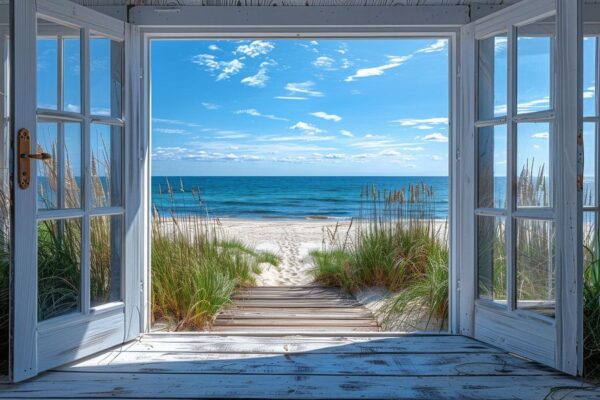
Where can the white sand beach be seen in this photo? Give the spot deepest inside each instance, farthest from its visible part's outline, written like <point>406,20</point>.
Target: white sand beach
<point>291,240</point>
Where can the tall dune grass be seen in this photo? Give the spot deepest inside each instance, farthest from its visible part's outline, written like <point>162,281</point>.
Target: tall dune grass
<point>398,244</point>
<point>196,267</point>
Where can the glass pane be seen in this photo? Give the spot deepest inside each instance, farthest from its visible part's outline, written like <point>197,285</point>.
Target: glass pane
<point>534,67</point>
<point>536,276</point>
<point>47,170</point>
<point>491,258</point>
<point>59,267</point>
<point>107,158</point>
<point>72,73</point>
<point>492,77</point>
<point>59,178</point>
<point>58,43</point>
<point>533,165</point>
<point>590,243</point>
<point>106,76</point>
<point>491,164</point>
<point>106,250</point>
<point>589,76</point>
<point>589,166</point>
<point>5,221</point>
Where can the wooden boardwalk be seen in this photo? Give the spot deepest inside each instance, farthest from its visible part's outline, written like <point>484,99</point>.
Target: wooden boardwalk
<point>295,309</point>
<point>368,366</point>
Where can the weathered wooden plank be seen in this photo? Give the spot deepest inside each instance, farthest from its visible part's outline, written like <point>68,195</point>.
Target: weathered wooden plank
<point>153,386</point>
<point>277,297</point>
<point>307,322</point>
<point>312,364</point>
<point>302,303</point>
<point>277,314</point>
<point>298,330</point>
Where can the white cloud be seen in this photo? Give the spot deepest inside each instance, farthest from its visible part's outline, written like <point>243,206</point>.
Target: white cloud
<point>589,92</point>
<point>394,61</point>
<point>306,128</point>
<point>346,133</point>
<point>297,138</point>
<point>303,88</point>
<point>343,49</point>
<point>424,121</point>
<point>290,97</point>
<point>255,48</point>
<point>389,153</point>
<point>541,135</point>
<point>223,134</point>
<point>314,42</point>
<point>323,62</point>
<point>175,122</point>
<point>423,127</point>
<point>210,106</point>
<point>170,131</point>
<point>260,78</point>
<point>439,45</point>
<point>534,105</point>
<point>328,117</point>
<point>435,137</point>
<point>435,157</point>
<point>255,113</point>
<point>214,47</point>
<point>225,68</point>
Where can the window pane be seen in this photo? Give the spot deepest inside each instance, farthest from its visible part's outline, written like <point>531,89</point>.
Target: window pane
<point>491,166</point>
<point>534,69</point>
<point>47,170</point>
<point>47,67</point>
<point>59,267</point>
<point>106,249</point>
<point>72,73</point>
<point>106,76</point>
<point>106,142</point>
<point>491,258</point>
<point>57,42</point>
<point>492,77</point>
<point>589,76</point>
<point>536,280</point>
<point>533,165</point>
<point>590,243</point>
<point>59,178</point>
<point>589,166</point>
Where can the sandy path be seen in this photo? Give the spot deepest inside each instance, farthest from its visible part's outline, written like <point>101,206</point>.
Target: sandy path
<point>291,240</point>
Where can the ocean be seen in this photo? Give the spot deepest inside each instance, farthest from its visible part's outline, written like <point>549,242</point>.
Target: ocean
<point>290,197</point>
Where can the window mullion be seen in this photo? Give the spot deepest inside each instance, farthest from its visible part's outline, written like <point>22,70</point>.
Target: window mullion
<point>511,166</point>
<point>60,143</point>
<point>86,178</point>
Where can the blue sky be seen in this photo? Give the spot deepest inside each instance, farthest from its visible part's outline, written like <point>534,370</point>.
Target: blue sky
<point>300,107</point>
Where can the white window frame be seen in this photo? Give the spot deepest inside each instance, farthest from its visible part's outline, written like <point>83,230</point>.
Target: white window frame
<point>308,23</point>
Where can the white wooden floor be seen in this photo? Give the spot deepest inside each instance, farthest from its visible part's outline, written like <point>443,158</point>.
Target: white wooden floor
<point>184,366</point>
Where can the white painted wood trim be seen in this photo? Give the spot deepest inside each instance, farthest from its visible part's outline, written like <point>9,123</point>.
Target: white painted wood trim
<point>307,18</point>
<point>569,159</point>
<point>23,321</point>
<point>62,11</point>
<point>518,14</point>
<point>466,175</point>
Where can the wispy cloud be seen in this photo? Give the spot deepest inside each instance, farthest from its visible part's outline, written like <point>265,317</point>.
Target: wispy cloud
<point>435,137</point>
<point>255,113</point>
<point>210,106</point>
<point>214,47</point>
<point>255,48</point>
<point>296,138</point>
<point>393,62</point>
<point>421,121</point>
<point>324,62</point>
<point>306,128</point>
<point>168,121</point>
<point>541,135</point>
<point>303,88</point>
<point>346,133</point>
<point>291,98</point>
<point>225,69</point>
<point>171,131</point>
<point>328,117</point>
<point>439,45</point>
<point>260,78</point>
<point>534,105</point>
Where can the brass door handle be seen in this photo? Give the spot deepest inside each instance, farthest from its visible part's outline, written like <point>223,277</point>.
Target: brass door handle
<point>25,157</point>
<point>37,156</point>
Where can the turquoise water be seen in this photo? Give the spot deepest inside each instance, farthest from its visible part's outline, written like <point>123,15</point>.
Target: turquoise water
<point>282,197</point>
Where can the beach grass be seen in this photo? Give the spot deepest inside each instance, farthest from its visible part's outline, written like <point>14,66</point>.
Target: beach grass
<point>196,267</point>
<point>397,244</point>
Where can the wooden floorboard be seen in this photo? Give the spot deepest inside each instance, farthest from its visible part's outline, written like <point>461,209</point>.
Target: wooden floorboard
<point>186,366</point>
<point>289,309</point>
